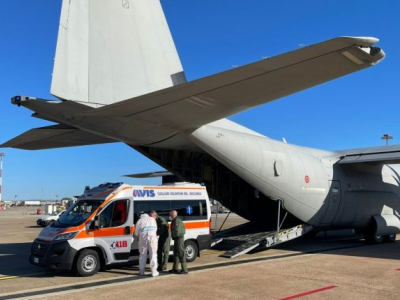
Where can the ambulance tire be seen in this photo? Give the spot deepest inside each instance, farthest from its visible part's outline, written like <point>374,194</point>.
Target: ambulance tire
<point>87,263</point>
<point>191,251</point>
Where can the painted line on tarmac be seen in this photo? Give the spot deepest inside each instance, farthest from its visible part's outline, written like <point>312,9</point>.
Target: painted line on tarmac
<point>309,293</point>
<point>7,277</point>
<point>132,278</point>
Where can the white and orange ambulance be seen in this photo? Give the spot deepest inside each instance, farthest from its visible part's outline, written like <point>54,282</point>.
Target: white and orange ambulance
<point>98,229</point>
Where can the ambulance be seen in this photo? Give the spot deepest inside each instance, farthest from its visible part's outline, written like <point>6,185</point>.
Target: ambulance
<point>97,231</point>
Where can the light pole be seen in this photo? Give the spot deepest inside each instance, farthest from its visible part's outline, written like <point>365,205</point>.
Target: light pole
<point>387,137</point>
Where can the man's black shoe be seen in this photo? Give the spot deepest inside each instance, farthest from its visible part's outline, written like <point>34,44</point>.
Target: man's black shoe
<point>173,271</point>
<point>183,272</point>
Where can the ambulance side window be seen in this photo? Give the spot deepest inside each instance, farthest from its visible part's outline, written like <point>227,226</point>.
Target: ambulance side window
<point>162,207</point>
<point>190,210</point>
<point>140,207</point>
<point>114,214</point>
<point>120,213</point>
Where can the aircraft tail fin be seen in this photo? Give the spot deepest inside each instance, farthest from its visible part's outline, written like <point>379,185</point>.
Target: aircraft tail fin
<point>112,50</point>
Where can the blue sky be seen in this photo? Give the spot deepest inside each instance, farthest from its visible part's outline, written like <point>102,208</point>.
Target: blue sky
<point>211,36</point>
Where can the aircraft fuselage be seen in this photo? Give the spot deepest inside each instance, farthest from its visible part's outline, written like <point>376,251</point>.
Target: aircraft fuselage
<point>309,182</point>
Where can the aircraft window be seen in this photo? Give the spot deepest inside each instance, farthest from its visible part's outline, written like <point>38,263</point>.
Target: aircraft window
<point>114,214</point>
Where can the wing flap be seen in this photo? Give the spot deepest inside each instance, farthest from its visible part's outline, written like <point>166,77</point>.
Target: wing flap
<point>56,136</point>
<point>375,155</point>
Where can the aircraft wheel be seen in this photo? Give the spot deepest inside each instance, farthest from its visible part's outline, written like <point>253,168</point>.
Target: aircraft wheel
<point>373,238</point>
<point>391,238</point>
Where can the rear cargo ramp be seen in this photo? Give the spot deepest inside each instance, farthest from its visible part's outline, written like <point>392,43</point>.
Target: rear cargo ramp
<point>267,239</point>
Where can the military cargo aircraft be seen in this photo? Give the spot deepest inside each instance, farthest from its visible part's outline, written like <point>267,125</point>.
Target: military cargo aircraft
<point>118,78</point>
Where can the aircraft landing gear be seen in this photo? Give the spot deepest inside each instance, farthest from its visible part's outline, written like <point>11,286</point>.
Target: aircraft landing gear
<point>373,238</point>
<point>391,238</point>
<point>377,239</point>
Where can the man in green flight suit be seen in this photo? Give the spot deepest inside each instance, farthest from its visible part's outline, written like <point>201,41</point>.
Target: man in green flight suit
<point>164,241</point>
<point>178,235</point>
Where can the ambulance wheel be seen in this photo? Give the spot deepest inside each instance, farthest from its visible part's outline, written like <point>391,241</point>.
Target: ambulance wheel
<point>87,263</point>
<point>191,251</point>
<point>391,238</point>
<point>373,238</point>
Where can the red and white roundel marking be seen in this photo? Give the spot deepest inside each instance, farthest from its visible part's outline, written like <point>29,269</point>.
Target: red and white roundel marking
<point>307,179</point>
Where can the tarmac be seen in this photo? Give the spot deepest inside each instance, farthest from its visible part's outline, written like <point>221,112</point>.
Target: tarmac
<point>339,265</point>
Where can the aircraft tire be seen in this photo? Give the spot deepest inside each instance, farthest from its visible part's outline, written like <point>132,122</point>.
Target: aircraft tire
<point>391,238</point>
<point>373,238</point>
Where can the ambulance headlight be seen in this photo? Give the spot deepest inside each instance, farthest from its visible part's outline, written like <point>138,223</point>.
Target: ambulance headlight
<point>65,236</point>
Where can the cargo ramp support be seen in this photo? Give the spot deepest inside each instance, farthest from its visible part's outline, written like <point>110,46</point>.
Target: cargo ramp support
<point>262,240</point>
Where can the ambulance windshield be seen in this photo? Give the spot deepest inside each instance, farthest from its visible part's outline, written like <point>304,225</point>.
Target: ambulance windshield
<point>78,213</point>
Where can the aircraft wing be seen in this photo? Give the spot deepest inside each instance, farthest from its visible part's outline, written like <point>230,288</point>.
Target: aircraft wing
<point>150,174</point>
<point>55,136</point>
<point>373,155</point>
<point>164,117</point>
<point>188,106</point>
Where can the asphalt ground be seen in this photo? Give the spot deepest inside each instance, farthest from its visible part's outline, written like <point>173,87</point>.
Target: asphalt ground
<point>338,265</point>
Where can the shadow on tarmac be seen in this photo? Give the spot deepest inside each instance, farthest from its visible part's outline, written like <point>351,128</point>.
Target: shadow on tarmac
<point>338,243</point>
<point>331,242</point>
<point>14,261</point>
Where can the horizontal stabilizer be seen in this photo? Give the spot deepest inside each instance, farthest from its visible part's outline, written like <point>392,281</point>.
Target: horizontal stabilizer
<point>165,118</point>
<point>374,155</point>
<point>55,136</point>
